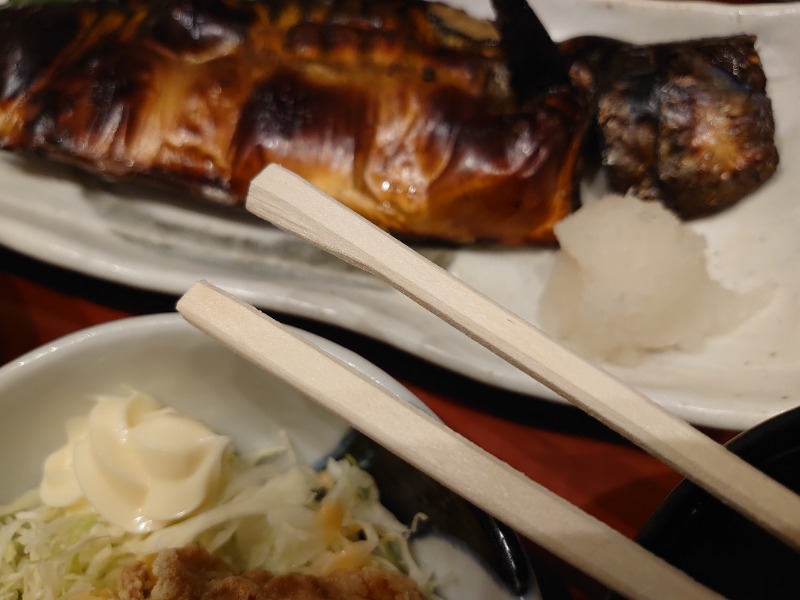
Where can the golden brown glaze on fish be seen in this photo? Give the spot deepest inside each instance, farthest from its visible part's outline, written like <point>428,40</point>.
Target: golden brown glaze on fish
<point>688,123</point>
<point>400,109</point>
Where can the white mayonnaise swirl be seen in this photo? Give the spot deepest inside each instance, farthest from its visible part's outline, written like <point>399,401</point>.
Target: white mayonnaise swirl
<point>140,465</point>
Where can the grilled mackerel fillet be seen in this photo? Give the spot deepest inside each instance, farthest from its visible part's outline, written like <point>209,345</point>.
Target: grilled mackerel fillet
<point>402,110</point>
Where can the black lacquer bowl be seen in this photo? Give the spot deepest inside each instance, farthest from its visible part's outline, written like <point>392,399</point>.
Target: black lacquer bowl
<point>719,547</point>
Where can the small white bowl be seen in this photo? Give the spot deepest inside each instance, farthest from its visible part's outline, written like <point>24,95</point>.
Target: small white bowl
<point>164,356</point>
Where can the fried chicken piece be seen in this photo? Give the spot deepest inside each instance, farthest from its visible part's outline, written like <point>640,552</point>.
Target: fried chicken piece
<point>194,574</point>
<point>135,582</point>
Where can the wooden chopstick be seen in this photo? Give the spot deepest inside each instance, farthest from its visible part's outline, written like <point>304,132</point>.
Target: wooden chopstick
<point>293,204</point>
<point>428,444</point>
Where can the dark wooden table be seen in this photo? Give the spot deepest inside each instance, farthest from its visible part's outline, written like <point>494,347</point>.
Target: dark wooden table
<point>558,446</point>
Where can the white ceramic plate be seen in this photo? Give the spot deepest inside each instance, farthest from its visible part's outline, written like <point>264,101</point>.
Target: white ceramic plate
<point>735,381</point>
<point>164,356</point>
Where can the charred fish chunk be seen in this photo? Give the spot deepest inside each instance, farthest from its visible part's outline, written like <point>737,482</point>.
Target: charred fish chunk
<point>403,110</point>
<point>688,124</point>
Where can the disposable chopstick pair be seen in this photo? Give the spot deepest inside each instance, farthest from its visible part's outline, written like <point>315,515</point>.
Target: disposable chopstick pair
<point>296,206</point>
<point>426,443</point>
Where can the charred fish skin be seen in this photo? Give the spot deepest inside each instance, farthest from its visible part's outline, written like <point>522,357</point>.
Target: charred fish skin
<point>400,109</point>
<point>688,124</point>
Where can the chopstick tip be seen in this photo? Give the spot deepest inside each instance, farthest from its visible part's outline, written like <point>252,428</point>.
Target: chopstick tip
<point>193,294</point>
<point>267,178</point>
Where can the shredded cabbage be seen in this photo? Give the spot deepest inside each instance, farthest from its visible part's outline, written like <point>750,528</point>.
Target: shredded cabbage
<point>284,520</point>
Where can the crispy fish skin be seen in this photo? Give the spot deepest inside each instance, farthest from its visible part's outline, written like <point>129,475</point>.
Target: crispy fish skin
<point>688,124</point>
<point>400,109</point>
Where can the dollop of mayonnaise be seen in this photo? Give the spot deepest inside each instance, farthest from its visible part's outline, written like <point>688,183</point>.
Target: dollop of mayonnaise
<point>139,464</point>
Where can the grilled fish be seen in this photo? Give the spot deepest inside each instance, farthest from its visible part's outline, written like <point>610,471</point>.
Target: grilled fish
<point>688,124</point>
<point>402,110</point>
<point>432,124</point>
